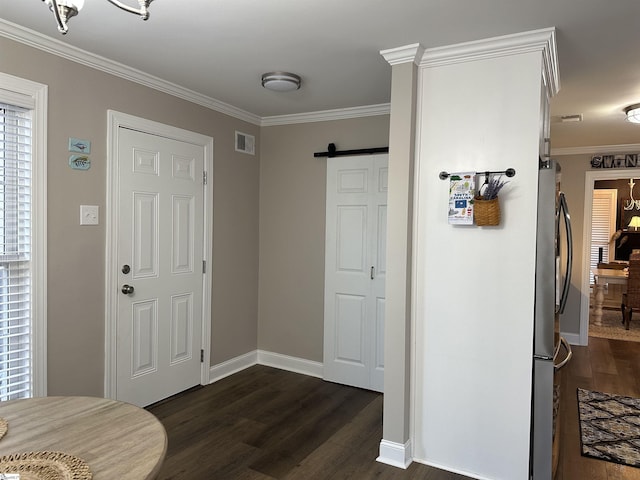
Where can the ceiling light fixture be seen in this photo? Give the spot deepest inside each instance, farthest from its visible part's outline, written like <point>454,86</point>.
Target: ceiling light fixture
<point>281,81</point>
<point>633,113</point>
<point>63,10</point>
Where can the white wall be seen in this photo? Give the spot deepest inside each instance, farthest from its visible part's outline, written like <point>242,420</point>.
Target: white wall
<point>475,286</point>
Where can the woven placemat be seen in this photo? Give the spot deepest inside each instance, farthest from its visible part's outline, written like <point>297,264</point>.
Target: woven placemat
<point>4,426</point>
<point>45,466</point>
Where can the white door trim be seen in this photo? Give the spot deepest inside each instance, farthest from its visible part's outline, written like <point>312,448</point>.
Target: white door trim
<point>115,120</point>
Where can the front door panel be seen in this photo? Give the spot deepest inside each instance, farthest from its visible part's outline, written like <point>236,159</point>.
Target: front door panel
<point>160,232</point>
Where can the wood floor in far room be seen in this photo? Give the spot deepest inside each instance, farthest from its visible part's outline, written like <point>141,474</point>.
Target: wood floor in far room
<point>264,424</point>
<point>610,366</point>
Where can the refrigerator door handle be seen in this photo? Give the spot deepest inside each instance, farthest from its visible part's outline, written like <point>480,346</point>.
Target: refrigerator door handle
<point>562,208</point>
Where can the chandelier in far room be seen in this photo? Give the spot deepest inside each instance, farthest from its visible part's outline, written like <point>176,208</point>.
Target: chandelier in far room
<point>63,10</point>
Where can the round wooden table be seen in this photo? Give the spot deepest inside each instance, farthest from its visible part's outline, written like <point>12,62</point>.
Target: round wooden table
<point>117,440</point>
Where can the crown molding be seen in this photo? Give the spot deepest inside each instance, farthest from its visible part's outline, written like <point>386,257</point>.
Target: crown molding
<point>56,47</point>
<point>543,40</point>
<point>595,149</point>
<point>408,53</point>
<point>327,115</point>
<point>551,69</point>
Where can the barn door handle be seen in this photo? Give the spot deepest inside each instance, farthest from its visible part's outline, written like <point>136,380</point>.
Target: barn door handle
<point>372,272</point>
<point>127,289</point>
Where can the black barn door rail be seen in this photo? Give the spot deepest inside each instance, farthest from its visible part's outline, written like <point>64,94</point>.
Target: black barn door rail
<point>332,152</point>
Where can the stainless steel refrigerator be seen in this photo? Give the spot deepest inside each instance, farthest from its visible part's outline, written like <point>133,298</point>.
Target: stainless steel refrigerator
<point>554,256</point>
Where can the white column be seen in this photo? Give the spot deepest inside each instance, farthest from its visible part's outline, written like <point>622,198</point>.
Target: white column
<point>479,109</point>
<point>395,448</point>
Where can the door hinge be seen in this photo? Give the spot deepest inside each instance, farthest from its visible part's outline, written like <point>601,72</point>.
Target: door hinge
<point>544,163</point>
<point>204,178</point>
<point>201,355</point>
<point>204,266</point>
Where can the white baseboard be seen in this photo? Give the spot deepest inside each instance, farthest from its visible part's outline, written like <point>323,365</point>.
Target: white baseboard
<point>235,365</point>
<point>395,454</point>
<point>572,338</point>
<point>269,359</point>
<point>292,364</point>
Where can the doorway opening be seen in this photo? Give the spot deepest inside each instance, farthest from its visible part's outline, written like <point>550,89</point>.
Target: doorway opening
<point>609,253</point>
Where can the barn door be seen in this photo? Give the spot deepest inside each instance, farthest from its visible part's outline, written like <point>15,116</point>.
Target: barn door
<point>355,268</point>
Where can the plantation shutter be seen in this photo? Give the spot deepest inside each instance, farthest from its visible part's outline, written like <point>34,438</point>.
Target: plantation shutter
<point>603,226</point>
<point>15,252</point>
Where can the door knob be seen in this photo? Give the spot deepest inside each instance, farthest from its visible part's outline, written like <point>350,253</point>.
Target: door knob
<point>127,289</point>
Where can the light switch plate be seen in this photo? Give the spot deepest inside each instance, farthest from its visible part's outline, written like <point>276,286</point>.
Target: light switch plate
<point>89,215</point>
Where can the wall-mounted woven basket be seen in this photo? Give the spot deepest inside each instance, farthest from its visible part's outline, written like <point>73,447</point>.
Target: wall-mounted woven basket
<point>486,213</point>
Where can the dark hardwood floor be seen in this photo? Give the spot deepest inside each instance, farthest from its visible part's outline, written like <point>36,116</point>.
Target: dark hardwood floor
<point>264,423</point>
<point>611,366</point>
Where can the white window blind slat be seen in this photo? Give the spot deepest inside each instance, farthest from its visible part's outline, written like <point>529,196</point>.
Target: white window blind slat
<point>602,226</point>
<point>15,252</point>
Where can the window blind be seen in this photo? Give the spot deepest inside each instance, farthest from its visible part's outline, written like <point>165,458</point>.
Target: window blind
<point>602,226</point>
<point>15,252</point>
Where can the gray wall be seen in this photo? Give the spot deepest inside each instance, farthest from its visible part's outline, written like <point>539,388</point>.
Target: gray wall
<point>271,205</point>
<point>398,314</point>
<point>574,168</point>
<point>292,220</point>
<point>572,184</point>
<point>79,98</point>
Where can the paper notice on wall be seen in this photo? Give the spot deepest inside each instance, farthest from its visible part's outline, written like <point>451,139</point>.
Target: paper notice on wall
<point>461,192</point>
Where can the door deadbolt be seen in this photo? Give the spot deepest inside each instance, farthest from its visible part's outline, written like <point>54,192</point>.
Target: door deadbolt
<point>126,269</point>
<point>127,289</point>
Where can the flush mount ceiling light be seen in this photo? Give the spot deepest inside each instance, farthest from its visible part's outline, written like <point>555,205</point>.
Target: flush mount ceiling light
<point>63,10</point>
<point>281,81</point>
<point>633,113</point>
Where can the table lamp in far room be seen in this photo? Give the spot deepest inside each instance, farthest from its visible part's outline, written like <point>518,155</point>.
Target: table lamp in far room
<point>634,223</point>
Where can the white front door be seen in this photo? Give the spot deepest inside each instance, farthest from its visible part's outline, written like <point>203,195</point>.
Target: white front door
<point>160,262</point>
<point>355,268</point>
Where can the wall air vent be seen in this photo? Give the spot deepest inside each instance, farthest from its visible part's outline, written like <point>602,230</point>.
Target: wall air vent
<point>574,118</point>
<point>571,118</point>
<point>245,143</point>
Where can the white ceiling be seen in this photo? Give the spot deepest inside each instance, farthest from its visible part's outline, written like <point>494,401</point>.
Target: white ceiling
<point>220,49</point>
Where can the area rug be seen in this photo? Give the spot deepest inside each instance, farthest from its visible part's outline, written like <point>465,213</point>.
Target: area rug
<point>610,427</point>
<point>612,326</point>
